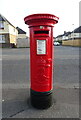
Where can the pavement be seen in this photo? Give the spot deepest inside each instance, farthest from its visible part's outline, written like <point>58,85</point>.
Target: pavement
<point>16,84</point>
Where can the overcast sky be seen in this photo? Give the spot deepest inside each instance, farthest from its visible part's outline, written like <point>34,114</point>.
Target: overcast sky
<point>66,10</point>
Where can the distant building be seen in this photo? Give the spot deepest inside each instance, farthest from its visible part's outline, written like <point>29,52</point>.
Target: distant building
<point>74,38</point>
<point>22,39</point>
<point>66,36</point>
<point>70,38</point>
<point>76,33</point>
<point>58,38</point>
<point>8,33</point>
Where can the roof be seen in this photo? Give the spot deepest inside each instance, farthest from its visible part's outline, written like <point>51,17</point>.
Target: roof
<point>2,18</point>
<point>67,33</point>
<point>77,30</point>
<point>59,36</point>
<point>20,31</point>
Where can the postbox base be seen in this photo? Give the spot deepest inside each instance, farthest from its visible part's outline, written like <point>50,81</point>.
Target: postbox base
<point>41,100</point>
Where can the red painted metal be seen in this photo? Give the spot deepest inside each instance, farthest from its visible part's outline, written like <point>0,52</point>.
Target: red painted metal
<point>41,63</point>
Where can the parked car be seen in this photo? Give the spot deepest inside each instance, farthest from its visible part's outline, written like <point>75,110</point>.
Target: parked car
<point>56,43</point>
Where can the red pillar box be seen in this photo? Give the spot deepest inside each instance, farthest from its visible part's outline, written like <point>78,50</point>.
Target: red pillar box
<point>41,58</point>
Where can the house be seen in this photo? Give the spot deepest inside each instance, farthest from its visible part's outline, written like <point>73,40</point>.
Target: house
<point>66,35</point>
<point>22,39</point>
<point>8,33</point>
<point>74,38</point>
<point>76,33</point>
<point>58,38</point>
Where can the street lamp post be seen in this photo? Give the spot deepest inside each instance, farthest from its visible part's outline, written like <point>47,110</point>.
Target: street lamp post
<point>73,36</point>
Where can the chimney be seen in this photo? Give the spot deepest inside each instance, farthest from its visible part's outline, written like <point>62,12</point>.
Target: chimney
<point>64,32</point>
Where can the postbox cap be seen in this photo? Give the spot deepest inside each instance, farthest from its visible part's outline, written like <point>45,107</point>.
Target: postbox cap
<point>41,19</point>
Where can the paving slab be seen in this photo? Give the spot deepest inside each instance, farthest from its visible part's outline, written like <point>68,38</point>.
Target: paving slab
<point>17,104</point>
<point>16,85</point>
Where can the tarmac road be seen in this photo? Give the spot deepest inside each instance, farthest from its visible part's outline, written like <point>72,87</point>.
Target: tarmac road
<point>16,84</point>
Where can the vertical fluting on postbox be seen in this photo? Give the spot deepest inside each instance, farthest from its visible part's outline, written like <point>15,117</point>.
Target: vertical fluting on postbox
<point>41,58</point>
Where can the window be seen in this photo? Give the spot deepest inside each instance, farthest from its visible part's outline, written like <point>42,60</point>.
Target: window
<point>1,25</point>
<point>2,38</point>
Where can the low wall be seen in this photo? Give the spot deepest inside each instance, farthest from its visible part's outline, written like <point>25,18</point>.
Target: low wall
<point>75,42</point>
<point>23,42</point>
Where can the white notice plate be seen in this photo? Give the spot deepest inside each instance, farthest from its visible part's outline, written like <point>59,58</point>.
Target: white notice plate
<point>41,46</point>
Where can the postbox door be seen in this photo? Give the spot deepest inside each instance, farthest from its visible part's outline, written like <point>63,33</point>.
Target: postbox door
<point>42,74</point>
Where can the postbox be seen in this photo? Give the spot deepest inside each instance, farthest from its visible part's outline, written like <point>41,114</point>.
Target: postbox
<point>41,58</point>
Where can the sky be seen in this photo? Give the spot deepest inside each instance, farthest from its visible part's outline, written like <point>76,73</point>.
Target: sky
<point>66,10</point>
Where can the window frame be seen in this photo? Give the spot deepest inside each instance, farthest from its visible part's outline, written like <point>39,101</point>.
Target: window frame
<point>1,25</point>
<point>2,39</point>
